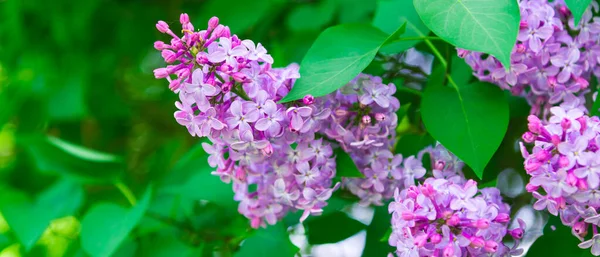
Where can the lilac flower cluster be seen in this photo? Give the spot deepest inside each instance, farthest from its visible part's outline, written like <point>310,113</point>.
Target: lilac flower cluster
<point>228,92</point>
<point>448,218</point>
<point>564,166</point>
<point>552,56</point>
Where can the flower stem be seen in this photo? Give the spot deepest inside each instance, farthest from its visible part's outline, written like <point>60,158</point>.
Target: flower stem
<point>126,192</point>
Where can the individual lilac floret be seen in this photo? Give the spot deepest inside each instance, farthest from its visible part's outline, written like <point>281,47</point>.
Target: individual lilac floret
<point>552,57</point>
<point>564,165</point>
<point>269,151</point>
<point>444,218</point>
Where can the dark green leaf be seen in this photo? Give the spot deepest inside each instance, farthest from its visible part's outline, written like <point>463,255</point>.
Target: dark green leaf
<point>547,244</point>
<point>469,120</point>
<point>332,228</point>
<point>106,226</point>
<point>391,14</point>
<point>402,111</point>
<point>411,144</point>
<point>595,111</point>
<point>488,26</point>
<point>204,186</point>
<point>578,7</point>
<point>345,166</point>
<point>378,228</point>
<point>29,220</point>
<point>312,17</point>
<point>272,241</point>
<point>338,55</point>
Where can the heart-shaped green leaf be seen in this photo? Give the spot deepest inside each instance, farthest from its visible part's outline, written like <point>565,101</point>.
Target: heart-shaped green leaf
<point>578,7</point>
<point>338,55</point>
<point>489,26</point>
<point>345,166</point>
<point>390,15</point>
<point>469,120</point>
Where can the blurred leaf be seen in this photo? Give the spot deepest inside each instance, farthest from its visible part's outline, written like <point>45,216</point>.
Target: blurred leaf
<point>411,144</point>
<point>167,244</point>
<point>106,225</point>
<point>488,26</point>
<point>472,121</point>
<point>67,103</point>
<point>272,241</point>
<point>345,166</point>
<point>356,10</point>
<point>557,243</point>
<point>29,220</point>
<point>332,228</point>
<point>338,55</point>
<point>378,228</point>
<point>578,7</point>
<point>235,14</point>
<point>312,16</point>
<point>204,186</point>
<point>595,111</point>
<point>391,14</point>
<point>51,154</point>
<point>402,111</point>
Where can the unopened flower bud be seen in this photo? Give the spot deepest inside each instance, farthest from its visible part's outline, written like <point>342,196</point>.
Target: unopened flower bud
<point>502,218</point>
<point>517,233</point>
<point>174,84</point>
<point>580,228</point>
<point>477,242</point>
<point>184,18</point>
<point>213,23</point>
<point>565,124</point>
<point>435,238</point>
<point>523,24</point>
<point>366,119</point>
<point>268,150</point>
<point>453,221</point>
<point>563,161</point>
<point>521,48</point>
<point>583,83</point>
<point>482,223</point>
<point>439,165</point>
<point>160,45</point>
<point>226,87</point>
<point>240,77</point>
<point>531,188</point>
<point>162,26</point>
<point>169,56</point>
<point>462,53</point>
<point>161,73</point>
<point>491,246</point>
<point>308,100</point>
<point>529,137</point>
<point>380,117</point>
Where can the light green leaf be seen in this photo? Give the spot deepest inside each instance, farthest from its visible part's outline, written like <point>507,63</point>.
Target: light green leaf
<point>332,228</point>
<point>272,241</point>
<point>469,120</point>
<point>29,220</point>
<point>106,226</point>
<point>204,186</point>
<point>338,55</point>
<point>577,8</point>
<point>345,166</point>
<point>391,14</point>
<point>52,154</point>
<point>488,26</point>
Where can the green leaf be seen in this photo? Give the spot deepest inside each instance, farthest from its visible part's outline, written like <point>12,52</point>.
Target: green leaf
<point>578,7</point>
<point>391,14</point>
<point>411,144</point>
<point>402,111</point>
<point>272,241</point>
<point>29,220</point>
<point>338,55</point>
<point>311,17</point>
<point>51,154</point>
<point>204,186</point>
<point>469,120</point>
<point>345,166</point>
<point>546,245</point>
<point>489,26</point>
<point>378,228</point>
<point>332,228</point>
<point>106,226</point>
<point>235,13</point>
<point>595,111</point>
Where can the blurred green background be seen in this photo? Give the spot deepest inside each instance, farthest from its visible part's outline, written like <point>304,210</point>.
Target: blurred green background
<point>77,76</point>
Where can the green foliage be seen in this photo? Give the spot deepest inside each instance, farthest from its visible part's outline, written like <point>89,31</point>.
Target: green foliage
<point>488,26</point>
<point>106,226</point>
<point>345,166</point>
<point>578,7</point>
<point>268,242</point>
<point>320,230</point>
<point>469,120</point>
<point>390,15</point>
<point>338,55</point>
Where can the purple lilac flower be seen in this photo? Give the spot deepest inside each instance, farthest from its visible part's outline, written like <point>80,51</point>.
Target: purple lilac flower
<point>564,168</point>
<point>432,219</point>
<point>551,59</point>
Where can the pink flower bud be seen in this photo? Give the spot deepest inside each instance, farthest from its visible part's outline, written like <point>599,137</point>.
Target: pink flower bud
<point>268,150</point>
<point>531,188</point>
<point>380,117</point>
<point>521,48</point>
<point>571,179</point>
<point>529,137</point>
<point>462,53</point>
<point>517,233</point>
<point>420,240</point>
<point>477,242</point>
<point>435,238</point>
<point>308,99</point>
<point>564,11</point>
<point>482,224</point>
<point>534,124</point>
<point>453,221</point>
<point>169,56</point>
<point>523,24</point>
<point>502,218</point>
<point>201,59</point>
<point>161,73</point>
<point>565,124</point>
<point>174,84</point>
<point>226,32</point>
<point>563,161</point>
<point>239,174</point>
<point>552,81</point>
<point>491,246</point>
<point>184,18</point>
<point>532,165</point>
<point>427,189</point>
<point>162,26</point>
<point>583,122</point>
<point>213,23</point>
<point>160,45</point>
<point>366,119</point>
<point>240,77</point>
<point>555,140</point>
<point>226,87</point>
<point>225,67</point>
<point>439,165</point>
<point>583,83</point>
<point>255,222</point>
<point>543,155</point>
<point>449,251</point>
<point>580,228</point>
<point>218,31</point>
